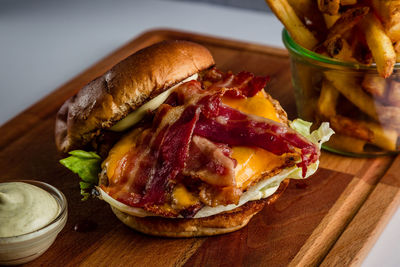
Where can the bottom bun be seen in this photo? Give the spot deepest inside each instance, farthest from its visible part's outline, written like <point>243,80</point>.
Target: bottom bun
<point>222,223</point>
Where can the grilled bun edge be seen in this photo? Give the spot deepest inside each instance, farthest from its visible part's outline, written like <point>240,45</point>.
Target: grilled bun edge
<point>125,87</point>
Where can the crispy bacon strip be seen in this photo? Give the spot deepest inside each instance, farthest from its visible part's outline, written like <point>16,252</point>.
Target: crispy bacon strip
<point>161,155</point>
<point>242,85</point>
<point>222,124</point>
<point>164,153</point>
<point>172,154</point>
<point>210,162</point>
<point>238,129</point>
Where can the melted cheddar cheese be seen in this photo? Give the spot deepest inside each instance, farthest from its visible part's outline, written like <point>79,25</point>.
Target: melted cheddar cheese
<point>251,162</point>
<point>257,105</point>
<point>119,151</point>
<point>182,197</point>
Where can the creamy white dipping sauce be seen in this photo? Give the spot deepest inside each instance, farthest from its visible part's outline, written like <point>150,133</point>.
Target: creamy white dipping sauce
<point>25,208</point>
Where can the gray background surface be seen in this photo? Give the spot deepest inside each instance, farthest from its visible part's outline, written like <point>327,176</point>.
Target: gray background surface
<point>256,5</point>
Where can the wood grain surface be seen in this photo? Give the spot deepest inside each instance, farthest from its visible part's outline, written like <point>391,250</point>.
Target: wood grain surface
<point>332,218</point>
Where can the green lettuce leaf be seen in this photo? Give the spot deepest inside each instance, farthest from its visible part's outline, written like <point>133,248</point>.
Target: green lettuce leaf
<point>87,165</point>
<point>319,136</point>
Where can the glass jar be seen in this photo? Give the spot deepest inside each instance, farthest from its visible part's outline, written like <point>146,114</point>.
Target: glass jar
<point>362,107</point>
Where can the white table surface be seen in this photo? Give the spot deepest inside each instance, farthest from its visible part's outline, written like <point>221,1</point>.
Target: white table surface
<point>45,43</point>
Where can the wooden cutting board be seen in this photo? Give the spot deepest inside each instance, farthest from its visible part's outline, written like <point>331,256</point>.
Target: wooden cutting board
<point>332,218</point>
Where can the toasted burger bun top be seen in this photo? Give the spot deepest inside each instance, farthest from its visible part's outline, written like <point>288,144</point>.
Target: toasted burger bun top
<point>124,88</point>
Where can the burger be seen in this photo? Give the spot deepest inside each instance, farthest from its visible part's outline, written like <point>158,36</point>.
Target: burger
<point>178,148</point>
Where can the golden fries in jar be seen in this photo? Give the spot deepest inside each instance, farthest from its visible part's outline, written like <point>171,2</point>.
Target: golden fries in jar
<point>345,69</point>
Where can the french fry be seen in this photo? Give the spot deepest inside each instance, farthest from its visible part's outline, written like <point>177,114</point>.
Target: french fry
<point>393,96</point>
<point>371,132</point>
<point>366,32</point>
<point>338,48</point>
<point>385,138</point>
<point>346,143</point>
<point>374,85</point>
<point>330,20</point>
<point>327,100</point>
<point>293,24</point>
<point>350,127</point>
<point>347,21</point>
<point>359,46</point>
<point>349,87</point>
<point>389,12</point>
<point>348,2</point>
<point>380,45</point>
<point>394,32</point>
<point>330,7</point>
<point>301,7</point>
<point>307,11</point>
